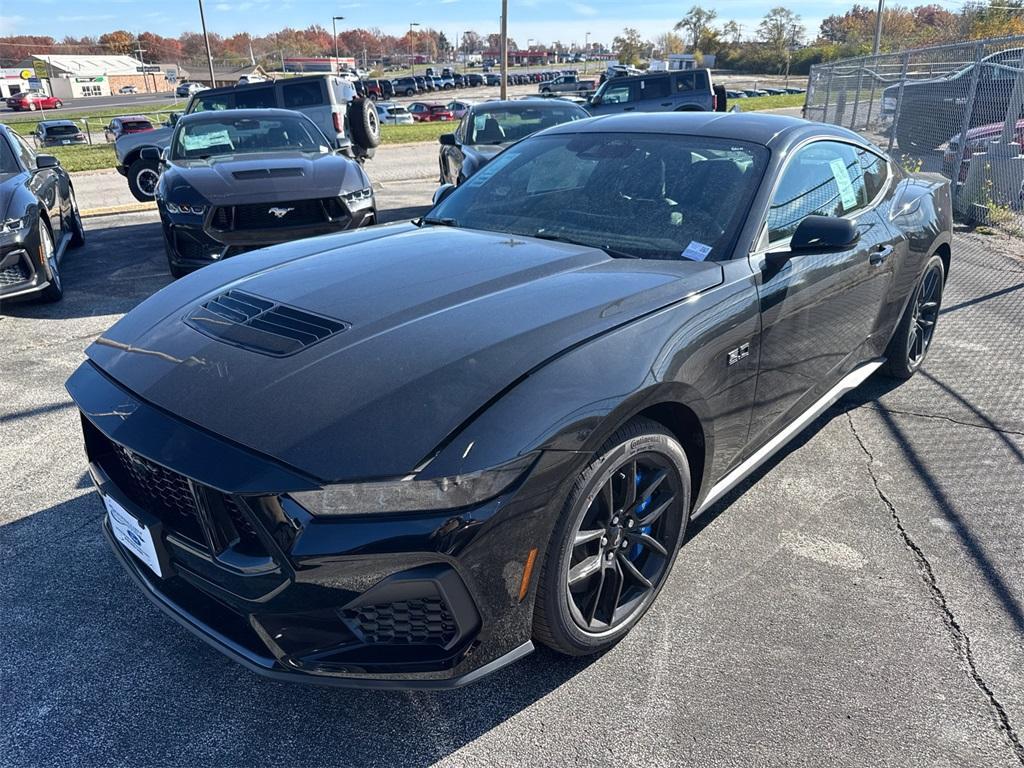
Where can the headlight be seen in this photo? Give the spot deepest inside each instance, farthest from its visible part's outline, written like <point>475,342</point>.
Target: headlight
<point>196,209</point>
<point>361,198</point>
<point>411,495</point>
<point>12,229</point>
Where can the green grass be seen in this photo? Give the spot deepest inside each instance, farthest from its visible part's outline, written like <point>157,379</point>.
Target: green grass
<point>25,122</point>
<point>83,157</point>
<point>417,132</point>
<point>768,102</point>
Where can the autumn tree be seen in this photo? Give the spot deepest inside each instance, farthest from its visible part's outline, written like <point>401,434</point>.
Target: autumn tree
<point>629,46</point>
<point>697,22</point>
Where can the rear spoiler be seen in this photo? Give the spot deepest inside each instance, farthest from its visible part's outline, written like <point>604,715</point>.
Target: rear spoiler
<point>719,98</point>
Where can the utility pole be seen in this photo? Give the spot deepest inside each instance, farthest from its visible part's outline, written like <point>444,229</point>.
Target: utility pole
<point>412,46</point>
<point>140,50</point>
<point>504,49</point>
<point>334,24</point>
<point>206,39</point>
<point>586,52</point>
<point>878,28</point>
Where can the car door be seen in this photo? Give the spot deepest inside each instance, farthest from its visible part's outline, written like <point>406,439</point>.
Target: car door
<point>819,310</point>
<point>452,158</point>
<point>44,183</point>
<point>652,94</point>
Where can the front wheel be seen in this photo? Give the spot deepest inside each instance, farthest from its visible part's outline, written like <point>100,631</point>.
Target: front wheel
<point>48,259</point>
<point>913,337</point>
<point>616,541</point>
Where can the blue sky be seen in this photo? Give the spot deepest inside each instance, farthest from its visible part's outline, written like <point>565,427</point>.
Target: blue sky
<point>543,20</point>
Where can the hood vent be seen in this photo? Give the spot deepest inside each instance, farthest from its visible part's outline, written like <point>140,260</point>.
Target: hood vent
<point>268,173</point>
<point>261,325</point>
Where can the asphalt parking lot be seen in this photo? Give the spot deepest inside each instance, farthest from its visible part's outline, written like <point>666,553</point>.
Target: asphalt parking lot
<point>857,602</point>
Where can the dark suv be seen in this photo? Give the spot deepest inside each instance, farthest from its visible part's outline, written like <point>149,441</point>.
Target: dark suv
<point>681,91</point>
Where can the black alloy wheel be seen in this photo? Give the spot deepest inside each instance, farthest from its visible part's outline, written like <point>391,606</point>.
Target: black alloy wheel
<point>616,542</point>
<point>913,337</point>
<point>48,260</point>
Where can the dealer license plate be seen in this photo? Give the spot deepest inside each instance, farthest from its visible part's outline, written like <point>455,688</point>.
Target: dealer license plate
<point>131,532</point>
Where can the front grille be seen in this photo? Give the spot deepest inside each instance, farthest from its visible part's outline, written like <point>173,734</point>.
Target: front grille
<point>175,499</point>
<point>188,247</point>
<point>14,274</point>
<point>423,621</point>
<point>291,213</point>
<point>261,325</point>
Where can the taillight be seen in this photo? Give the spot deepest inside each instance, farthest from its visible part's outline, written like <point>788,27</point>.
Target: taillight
<point>339,122</point>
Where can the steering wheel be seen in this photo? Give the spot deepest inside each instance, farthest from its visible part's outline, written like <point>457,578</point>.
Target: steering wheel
<point>705,224</point>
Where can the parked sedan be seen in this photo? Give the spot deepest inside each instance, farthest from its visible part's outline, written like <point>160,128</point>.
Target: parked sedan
<point>488,128</point>
<point>458,108</point>
<point>56,133</point>
<point>31,101</point>
<point>188,88</point>
<point>122,126</point>
<point>127,90</point>
<point>393,114</point>
<point>401,457</point>
<point>430,112</point>
<point>235,180</point>
<point>39,220</point>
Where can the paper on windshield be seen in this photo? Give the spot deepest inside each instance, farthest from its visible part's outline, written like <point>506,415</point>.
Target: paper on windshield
<point>696,251</point>
<point>842,177</point>
<point>206,140</point>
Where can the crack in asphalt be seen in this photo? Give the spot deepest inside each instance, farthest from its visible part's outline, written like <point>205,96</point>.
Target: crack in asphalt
<point>960,639</point>
<point>987,427</point>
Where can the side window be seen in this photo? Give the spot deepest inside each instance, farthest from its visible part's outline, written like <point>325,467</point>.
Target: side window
<point>212,103</point>
<point>685,81</point>
<point>255,98</point>
<point>823,179</point>
<point>617,94</point>
<point>654,88</point>
<point>876,173</point>
<point>298,95</point>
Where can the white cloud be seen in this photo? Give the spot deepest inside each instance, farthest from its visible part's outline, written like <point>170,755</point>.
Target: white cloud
<point>583,9</point>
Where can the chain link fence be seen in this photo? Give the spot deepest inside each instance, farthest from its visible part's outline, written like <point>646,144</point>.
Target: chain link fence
<point>953,109</point>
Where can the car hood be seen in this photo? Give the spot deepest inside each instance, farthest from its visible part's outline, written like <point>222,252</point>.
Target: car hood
<point>267,177</point>
<point>438,322</point>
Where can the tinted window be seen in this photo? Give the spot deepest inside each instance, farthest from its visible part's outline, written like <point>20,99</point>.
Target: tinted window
<point>255,98</point>
<point>137,125</point>
<point>619,93</point>
<point>672,197</point>
<point>8,163</point>
<point>823,179</point>
<point>685,81</point>
<point>298,95</point>
<point>212,103</point>
<point>654,88</point>
<point>502,126</point>
<point>62,130</point>
<point>876,173</point>
<point>229,136</point>
<point>28,155</point>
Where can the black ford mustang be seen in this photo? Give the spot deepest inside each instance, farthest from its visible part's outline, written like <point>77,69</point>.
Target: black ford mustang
<point>399,456</point>
<point>236,180</point>
<point>39,220</point>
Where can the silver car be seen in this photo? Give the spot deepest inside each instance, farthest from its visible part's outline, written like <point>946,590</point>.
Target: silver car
<point>393,114</point>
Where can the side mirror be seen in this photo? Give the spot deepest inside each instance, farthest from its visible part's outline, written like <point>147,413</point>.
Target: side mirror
<point>172,119</point>
<point>151,153</point>
<point>444,190</point>
<point>47,161</point>
<point>447,139</point>
<point>824,233</point>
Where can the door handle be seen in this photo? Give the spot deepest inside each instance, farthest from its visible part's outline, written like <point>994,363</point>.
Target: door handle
<point>666,103</point>
<point>879,255</point>
<point>628,109</point>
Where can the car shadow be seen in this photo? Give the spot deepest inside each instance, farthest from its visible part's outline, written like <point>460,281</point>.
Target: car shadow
<point>71,614</point>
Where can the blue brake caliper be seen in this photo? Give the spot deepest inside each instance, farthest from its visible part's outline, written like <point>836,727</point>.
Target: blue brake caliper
<point>634,553</point>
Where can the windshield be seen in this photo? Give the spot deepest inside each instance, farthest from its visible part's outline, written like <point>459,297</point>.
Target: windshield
<point>136,125</point>
<point>231,136</point>
<point>504,125</point>
<point>62,130</point>
<point>651,196</point>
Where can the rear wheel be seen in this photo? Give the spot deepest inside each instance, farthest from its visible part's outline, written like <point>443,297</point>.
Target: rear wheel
<point>913,337</point>
<point>616,541</point>
<point>142,178</point>
<point>58,104</point>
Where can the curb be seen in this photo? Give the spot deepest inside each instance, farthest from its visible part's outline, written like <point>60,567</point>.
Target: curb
<point>114,209</point>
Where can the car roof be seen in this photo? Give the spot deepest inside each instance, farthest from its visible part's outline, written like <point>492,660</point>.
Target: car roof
<point>756,127</point>
<point>536,102</point>
<point>237,114</point>
<point>133,117</point>
<point>48,123</point>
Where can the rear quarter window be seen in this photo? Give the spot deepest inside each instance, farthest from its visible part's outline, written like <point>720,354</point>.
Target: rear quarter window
<point>297,95</point>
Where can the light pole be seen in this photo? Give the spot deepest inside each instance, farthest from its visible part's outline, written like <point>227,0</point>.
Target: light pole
<point>465,43</point>
<point>878,28</point>
<point>206,39</point>
<point>412,45</point>
<point>334,26</point>
<point>586,52</point>
<point>504,49</point>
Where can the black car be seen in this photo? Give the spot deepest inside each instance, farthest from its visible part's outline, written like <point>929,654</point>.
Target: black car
<point>401,456</point>
<point>474,80</point>
<point>57,133</point>
<point>236,180</point>
<point>488,128</point>
<point>932,109</point>
<point>39,220</point>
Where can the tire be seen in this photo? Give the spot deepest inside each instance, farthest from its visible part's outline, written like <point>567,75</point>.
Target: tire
<point>58,104</point>
<point>545,90</point>
<point>913,336</point>
<point>142,177</point>
<point>567,617</point>
<point>55,290</point>
<point>410,92</point>
<point>76,226</point>
<point>32,107</point>
<point>364,123</point>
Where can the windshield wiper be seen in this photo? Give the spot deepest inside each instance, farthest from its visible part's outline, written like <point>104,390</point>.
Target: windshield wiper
<point>440,222</point>
<point>615,253</point>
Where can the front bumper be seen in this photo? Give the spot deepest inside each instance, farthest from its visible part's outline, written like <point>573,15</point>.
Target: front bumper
<point>21,271</point>
<point>426,600</point>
